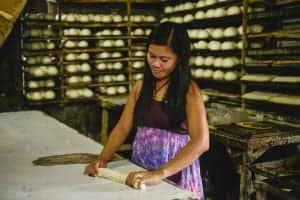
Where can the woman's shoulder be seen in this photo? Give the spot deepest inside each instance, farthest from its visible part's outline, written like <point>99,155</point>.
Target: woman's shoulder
<point>193,91</point>
<point>137,86</point>
<point>136,89</point>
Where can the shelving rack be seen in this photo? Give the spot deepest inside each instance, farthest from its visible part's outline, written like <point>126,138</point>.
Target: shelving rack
<point>275,48</point>
<point>102,72</point>
<point>272,75</point>
<point>264,49</point>
<point>206,24</point>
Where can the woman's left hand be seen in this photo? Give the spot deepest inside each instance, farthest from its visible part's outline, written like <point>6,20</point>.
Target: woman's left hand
<point>136,179</point>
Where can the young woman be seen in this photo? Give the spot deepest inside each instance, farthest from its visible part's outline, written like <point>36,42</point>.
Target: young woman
<point>169,114</point>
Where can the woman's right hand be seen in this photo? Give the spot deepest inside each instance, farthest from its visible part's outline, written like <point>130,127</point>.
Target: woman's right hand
<point>92,168</point>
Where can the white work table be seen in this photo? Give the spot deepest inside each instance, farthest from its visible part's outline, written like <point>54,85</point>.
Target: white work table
<point>28,135</point>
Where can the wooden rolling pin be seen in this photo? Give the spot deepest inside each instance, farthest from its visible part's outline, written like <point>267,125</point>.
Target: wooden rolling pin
<point>118,177</point>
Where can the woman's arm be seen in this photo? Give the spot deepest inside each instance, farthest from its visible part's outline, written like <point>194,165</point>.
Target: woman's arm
<point>121,130</point>
<point>119,133</point>
<point>198,131</point>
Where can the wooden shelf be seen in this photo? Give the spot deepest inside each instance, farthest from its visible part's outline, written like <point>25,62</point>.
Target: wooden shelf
<point>65,37</point>
<point>280,33</point>
<point>41,23</point>
<point>126,27</point>
<point>195,9</point>
<point>111,1</point>
<point>93,50</point>
<point>94,24</point>
<point>94,1</point>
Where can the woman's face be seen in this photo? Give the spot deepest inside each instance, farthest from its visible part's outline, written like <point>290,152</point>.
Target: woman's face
<point>162,60</point>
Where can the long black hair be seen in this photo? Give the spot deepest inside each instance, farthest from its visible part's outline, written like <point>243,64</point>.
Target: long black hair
<point>174,36</point>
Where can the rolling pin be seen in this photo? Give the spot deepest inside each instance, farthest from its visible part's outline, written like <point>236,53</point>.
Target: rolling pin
<point>118,177</point>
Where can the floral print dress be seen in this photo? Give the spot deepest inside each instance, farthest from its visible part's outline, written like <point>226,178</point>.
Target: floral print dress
<point>154,145</point>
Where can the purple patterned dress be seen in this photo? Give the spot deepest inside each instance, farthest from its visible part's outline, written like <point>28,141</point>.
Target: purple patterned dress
<point>154,145</point>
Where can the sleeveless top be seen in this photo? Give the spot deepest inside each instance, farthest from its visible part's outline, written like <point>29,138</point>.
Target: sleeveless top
<point>155,117</point>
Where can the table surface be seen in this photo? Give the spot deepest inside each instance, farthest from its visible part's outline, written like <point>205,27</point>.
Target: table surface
<point>28,135</point>
<point>251,139</point>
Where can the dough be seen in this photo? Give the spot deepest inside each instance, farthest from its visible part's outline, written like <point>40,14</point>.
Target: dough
<point>117,177</point>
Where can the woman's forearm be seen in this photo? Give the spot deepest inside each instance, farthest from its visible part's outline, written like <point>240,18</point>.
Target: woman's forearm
<point>121,130</point>
<point>184,157</point>
<point>115,139</point>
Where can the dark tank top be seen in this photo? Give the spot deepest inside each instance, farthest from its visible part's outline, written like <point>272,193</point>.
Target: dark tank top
<point>155,117</point>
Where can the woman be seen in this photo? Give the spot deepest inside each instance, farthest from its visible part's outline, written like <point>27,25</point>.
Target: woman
<point>169,113</point>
